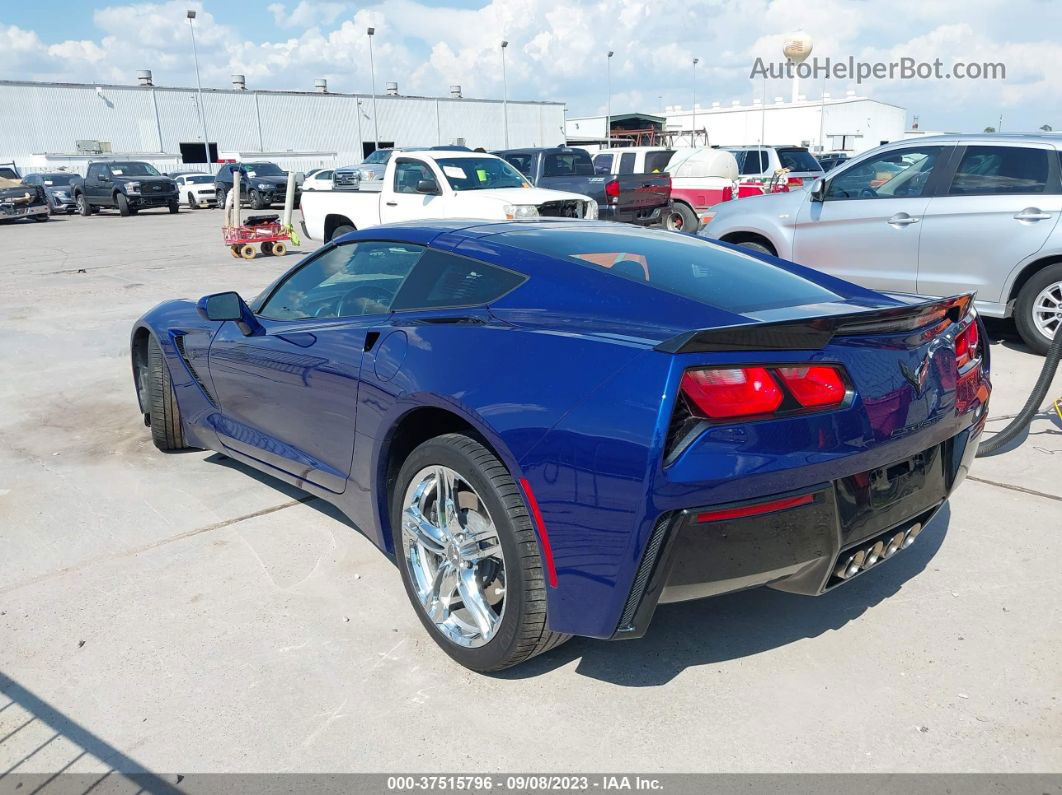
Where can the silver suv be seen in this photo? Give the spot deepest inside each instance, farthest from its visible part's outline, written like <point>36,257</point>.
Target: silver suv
<point>937,216</point>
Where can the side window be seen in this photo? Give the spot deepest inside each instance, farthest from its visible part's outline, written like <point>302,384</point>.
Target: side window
<point>521,163</point>
<point>901,173</point>
<point>408,173</point>
<point>656,162</point>
<point>753,162</point>
<point>346,281</point>
<point>324,175</point>
<point>602,164</point>
<point>31,179</point>
<point>567,164</point>
<point>94,171</point>
<point>995,170</point>
<point>448,280</point>
<point>626,165</point>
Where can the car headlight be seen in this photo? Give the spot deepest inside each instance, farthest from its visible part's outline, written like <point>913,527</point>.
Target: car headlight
<point>132,187</point>
<point>62,194</point>
<point>516,211</point>
<point>263,185</point>
<point>591,211</point>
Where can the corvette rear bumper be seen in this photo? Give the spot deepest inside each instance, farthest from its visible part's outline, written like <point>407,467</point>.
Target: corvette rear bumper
<point>792,541</point>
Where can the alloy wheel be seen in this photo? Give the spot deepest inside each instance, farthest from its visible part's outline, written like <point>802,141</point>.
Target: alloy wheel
<point>451,548</point>
<point>1047,310</point>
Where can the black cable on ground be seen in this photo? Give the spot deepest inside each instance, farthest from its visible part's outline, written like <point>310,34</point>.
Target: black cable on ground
<point>1032,405</point>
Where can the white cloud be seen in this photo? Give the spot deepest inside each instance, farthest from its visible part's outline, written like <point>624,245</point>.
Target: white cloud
<point>557,51</point>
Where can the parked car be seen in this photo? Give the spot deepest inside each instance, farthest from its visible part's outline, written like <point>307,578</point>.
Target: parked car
<point>647,165</point>
<point>262,184</point>
<point>764,163</point>
<point>369,174</point>
<point>197,189</point>
<point>628,198</point>
<point>831,160</point>
<point>936,216</point>
<point>129,186</point>
<point>318,179</point>
<point>555,426</point>
<point>58,187</point>
<point>19,200</point>
<point>424,184</point>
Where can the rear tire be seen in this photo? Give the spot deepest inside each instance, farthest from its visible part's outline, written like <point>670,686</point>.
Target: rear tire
<point>166,430</point>
<point>521,630</point>
<point>341,230</point>
<point>681,218</point>
<point>1033,309</point>
<point>279,249</point>
<point>123,205</point>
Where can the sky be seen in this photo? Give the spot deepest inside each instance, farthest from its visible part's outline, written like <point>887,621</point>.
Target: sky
<point>557,50</point>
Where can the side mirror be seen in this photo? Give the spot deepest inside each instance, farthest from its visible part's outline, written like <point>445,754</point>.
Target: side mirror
<point>220,307</point>
<point>427,186</point>
<point>818,190</point>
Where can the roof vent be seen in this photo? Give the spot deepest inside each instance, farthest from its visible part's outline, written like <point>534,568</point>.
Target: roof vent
<point>239,82</point>
<point>143,77</point>
<point>455,91</point>
<point>320,85</point>
<point>392,89</point>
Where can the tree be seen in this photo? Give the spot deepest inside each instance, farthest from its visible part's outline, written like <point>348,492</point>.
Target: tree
<point>1046,127</point>
<point>990,129</point>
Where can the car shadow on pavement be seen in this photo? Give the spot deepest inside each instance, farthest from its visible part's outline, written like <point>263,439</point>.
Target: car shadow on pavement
<point>37,726</point>
<point>734,626</point>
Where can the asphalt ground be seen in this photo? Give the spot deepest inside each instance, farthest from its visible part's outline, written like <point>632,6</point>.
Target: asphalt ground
<point>183,613</point>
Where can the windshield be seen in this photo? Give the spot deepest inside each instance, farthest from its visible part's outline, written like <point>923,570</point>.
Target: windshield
<point>480,173</point>
<point>264,170</point>
<point>378,157</point>
<point>798,160</point>
<point>53,180</point>
<point>133,170</point>
<point>688,266</point>
<point>200,179</point>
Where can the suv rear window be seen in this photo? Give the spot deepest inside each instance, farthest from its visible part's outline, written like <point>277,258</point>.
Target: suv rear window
<point>656,162</point>
<point>798,160</point>
<point>688,266</point>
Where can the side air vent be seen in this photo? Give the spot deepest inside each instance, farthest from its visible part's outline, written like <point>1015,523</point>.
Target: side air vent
<point>644,573</point>
<point>178,343</point>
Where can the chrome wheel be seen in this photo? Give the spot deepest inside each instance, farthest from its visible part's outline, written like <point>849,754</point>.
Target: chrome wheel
<point>1047,310</point>
<point>454,556</point>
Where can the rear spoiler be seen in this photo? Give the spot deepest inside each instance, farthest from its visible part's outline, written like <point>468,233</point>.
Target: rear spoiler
<point>812,334</point>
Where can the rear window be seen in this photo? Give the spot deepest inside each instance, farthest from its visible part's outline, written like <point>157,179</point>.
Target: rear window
<point>687,266</point>
<point>567,164</point>
<point>798,160</point>
<point>626,165</point>
<point>521,163</point>
<point>656,162</point>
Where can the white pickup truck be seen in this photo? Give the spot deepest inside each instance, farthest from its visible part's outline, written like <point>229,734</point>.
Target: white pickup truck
<point>438,184</point>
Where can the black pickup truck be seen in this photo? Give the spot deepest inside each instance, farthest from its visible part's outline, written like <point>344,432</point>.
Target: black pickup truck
<point>642,199</point>
<point>129,186</point>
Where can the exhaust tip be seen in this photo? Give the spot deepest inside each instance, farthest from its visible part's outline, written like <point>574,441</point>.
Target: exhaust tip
<point>874,554</point>
<point>841,572</point>
<point>912,534</point>
<point>895,545</point>
<point>855,564</point>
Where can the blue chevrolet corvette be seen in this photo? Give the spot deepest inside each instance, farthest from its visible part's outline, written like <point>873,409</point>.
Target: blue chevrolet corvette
<point>554,426</point>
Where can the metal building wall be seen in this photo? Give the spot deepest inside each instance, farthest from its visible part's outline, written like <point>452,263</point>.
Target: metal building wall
<point>47,117</point>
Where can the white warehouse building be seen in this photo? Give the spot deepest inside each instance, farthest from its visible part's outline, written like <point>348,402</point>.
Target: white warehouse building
<point>844,124</point>
<point>44,126</point>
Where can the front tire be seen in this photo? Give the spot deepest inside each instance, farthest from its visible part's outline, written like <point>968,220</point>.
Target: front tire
<point>40,218</point>
<point>1038,311</point>
<point>752,245</point>
<point>166,430</point>
<point>470,561</point>
<point>83,206</point>
<point>175,206</point>
<point>123,205</point>
<point>257,202</point>
<point>192,203</point>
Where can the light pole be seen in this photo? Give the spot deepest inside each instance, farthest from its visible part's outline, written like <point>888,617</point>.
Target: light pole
<point>608,106</point>
<point>199,88</point>
<point>505,94</point>
<point>372,82</point>
<point>693,132</point>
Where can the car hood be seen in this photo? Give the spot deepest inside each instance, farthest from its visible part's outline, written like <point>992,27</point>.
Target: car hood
<point>145,180</point>
<point>770,203</point>
<point>269,180</point>
<point>527,195</point>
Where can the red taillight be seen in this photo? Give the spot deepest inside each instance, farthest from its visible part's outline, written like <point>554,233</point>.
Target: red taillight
<point>756,510</point>
<point>967,345</point>
<point>796,182</point>
<point>738,392</point>
<point>719,393</point>
<point>612,189</point>
<point>728,194</point>
<point>814,387</point>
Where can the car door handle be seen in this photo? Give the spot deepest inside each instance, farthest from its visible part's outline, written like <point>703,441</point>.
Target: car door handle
<point>392,204</point>
<point>902,219</point>
<point>1032,214</point>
